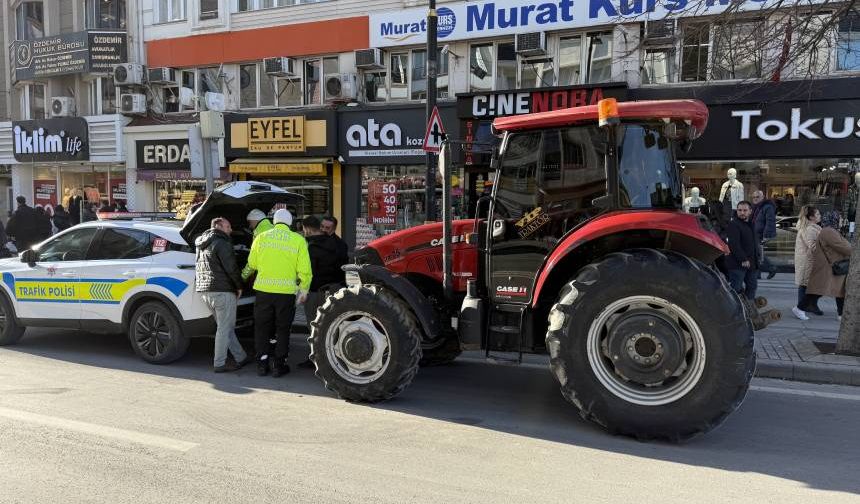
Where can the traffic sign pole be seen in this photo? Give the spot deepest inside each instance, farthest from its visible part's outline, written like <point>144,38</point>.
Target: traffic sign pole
<point>430,176</point>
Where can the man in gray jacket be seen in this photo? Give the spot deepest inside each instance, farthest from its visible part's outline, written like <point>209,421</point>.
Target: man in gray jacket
<point>219,278</point>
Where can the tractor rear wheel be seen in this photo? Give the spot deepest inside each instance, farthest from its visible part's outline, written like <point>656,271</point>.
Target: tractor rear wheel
<point>651,344</point>
<point>365,343</point>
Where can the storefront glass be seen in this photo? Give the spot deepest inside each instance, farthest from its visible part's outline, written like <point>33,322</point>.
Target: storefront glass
<point>316,190</point>
<point>392,198</point>
<point>789,183</point>
<point>178,195</point>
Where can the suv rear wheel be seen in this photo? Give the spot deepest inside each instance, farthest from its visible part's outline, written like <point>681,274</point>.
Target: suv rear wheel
<point>156,335</point>
<point>10,331</point>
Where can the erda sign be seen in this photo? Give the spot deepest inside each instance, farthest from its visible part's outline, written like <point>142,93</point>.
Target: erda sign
<point>525,101</point>
<point>62,139</point>
<point>826,128</point>
<point>163,154</point>
<point>489,18</point>
<point>389,135</point>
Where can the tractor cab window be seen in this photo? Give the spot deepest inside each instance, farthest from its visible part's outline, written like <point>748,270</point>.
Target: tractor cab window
<point>648,177</point>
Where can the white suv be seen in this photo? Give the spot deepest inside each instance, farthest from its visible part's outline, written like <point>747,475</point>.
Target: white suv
<point>129,276</point>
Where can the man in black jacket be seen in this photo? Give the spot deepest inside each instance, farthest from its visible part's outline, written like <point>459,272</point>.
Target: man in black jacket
<point>219,278</point>
<point>326,260</point>
<point>329,227</point>
<point>742,262</point>
<point>25,225</point>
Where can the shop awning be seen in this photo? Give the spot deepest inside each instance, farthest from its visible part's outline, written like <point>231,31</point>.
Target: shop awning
<point>280,166</point>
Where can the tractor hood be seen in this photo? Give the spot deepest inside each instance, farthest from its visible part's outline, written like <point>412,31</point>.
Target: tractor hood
<point>233,201</point>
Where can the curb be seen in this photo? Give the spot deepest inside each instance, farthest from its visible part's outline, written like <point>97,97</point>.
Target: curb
<point>809,372</point>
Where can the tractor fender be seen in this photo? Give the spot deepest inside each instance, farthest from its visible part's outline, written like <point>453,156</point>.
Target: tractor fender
<point>418,302</point>
<point>685,234</point>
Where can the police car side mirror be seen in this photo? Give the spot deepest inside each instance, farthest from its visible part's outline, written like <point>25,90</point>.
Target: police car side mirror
<point>30,256</point>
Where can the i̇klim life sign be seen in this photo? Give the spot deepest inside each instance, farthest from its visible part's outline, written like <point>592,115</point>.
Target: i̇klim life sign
<point>462,20</point>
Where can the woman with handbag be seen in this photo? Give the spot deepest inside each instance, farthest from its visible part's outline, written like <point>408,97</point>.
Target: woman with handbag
<point>829,264</point>
<point>804,246</point>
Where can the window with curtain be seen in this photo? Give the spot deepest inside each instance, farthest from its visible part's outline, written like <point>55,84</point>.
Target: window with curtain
<point>208,9</point>
<point>400,76</point>
<point>106,14</point>
<point>170,10</point>
<point>29,21</point>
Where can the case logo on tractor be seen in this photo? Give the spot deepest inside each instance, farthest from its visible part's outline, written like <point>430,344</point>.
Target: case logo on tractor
<point>437,242</point>
<point>509,290</point>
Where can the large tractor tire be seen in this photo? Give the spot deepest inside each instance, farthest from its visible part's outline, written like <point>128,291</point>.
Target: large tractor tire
<point>10,331</point>
<point>365,344</point>
<point>441,352</point>
<point>651,344</point>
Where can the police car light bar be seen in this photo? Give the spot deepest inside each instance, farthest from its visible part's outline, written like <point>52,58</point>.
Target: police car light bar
<point>135,215</point>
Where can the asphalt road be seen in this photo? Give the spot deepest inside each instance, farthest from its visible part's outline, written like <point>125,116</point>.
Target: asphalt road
<point>83,420</point>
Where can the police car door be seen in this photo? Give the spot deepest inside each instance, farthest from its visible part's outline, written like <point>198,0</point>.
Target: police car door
<point>51,288</point>
<point>116,268</point>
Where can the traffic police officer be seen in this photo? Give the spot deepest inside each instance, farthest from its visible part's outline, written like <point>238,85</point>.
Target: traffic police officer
<point>258,222</point>
<point>280,258</point>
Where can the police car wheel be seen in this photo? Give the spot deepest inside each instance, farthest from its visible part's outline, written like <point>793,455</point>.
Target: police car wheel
<point>155,334</point>
<point>365,343</point>
<point>10,331</point>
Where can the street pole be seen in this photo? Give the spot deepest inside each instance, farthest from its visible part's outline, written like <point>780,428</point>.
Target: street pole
<point>208,165</point>
<point>430,177</point>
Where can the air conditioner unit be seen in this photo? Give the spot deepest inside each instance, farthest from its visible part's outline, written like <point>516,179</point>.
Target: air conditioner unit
<point>660,31</point>
<point>281,67</point>
<point>341,87</point>
<point>128,74</point>
<point>530,44</point>
<point>369,59</point>
<point>62,106</point>
<point>162,75</point>
<point>132,103</point>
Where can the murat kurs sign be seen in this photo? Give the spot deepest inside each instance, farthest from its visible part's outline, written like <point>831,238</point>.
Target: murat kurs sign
<point>70,53</point>
<point>468,20</point>
<point>61,139</point>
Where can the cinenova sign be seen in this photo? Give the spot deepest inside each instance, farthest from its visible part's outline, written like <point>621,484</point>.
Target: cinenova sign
<point>468,20</point>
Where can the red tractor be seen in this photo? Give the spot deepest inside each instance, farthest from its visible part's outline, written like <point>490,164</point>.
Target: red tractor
<point>584,254</point>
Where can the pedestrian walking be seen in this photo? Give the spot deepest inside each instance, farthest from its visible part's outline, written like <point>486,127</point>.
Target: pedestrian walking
<point>742,261</point>
<point>62,219</point>
<point>120,206</point>
<point>280,258</point>
<point>329,227</point>
<point>25,225</point>
<point>218,278</point>
<point>823,280</point>
<point>258,222</point>
<point>327,275</point>
<point>804,247</point>
<point>764,223</point>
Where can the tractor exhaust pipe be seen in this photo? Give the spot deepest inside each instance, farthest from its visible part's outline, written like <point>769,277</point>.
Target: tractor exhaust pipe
<point>447,220</point>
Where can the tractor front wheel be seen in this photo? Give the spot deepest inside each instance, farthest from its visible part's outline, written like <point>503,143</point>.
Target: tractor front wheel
<point>365,343</point>
<point>651,344</point>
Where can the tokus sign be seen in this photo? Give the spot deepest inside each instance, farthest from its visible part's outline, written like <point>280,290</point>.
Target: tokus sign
<point>458,21</point>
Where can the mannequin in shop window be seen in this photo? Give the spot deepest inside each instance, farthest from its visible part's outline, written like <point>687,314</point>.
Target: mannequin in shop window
<point>732,192</point>
<point>694,203</point>
<point>76,206</point>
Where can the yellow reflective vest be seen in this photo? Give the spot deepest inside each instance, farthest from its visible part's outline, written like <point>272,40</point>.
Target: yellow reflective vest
<point>280,258</point>
<point>262,226</point>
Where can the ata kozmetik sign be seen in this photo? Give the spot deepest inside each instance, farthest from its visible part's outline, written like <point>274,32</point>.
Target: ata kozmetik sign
<point>467,20</point>
<point>61,139</point>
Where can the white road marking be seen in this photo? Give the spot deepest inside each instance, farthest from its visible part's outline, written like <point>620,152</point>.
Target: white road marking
<point>806,393</point>
<point>98,430</point>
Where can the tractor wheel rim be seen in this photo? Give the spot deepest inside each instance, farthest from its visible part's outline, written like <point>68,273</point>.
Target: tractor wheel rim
<point>358,347</point>
<point>679,373</point>
<point>152,334</point>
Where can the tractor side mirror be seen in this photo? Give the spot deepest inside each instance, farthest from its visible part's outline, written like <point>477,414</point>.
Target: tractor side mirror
<point>30,256</point>
<point>498,228</point>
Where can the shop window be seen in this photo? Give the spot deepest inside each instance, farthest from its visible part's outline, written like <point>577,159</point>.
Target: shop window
<point>208,9</point>
<point>599,57</point>
<point>170,10</point>
<point>106,14</point>
<point>32,101</point>
<point>103,96</point>
<point>492,67</point>
<point>659,66</point>
<point>569,60</point>
<point>419,75</point>
<point>696,47</point>
<point>399,76</point>
<point>737,50</point>
<point>848,43</point>
<point>71,246</point>
<point>30,21</point>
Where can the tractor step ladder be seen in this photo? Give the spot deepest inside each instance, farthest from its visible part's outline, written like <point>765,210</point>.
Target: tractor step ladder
<point>506,333</point>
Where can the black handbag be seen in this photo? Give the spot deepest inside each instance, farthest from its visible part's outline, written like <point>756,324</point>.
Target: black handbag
<point>840,268</point>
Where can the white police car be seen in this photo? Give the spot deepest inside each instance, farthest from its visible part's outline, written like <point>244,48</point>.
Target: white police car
<point>128,276</point>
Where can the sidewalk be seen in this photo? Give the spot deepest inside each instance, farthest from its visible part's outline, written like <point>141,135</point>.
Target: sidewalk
<point>795,350</point>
